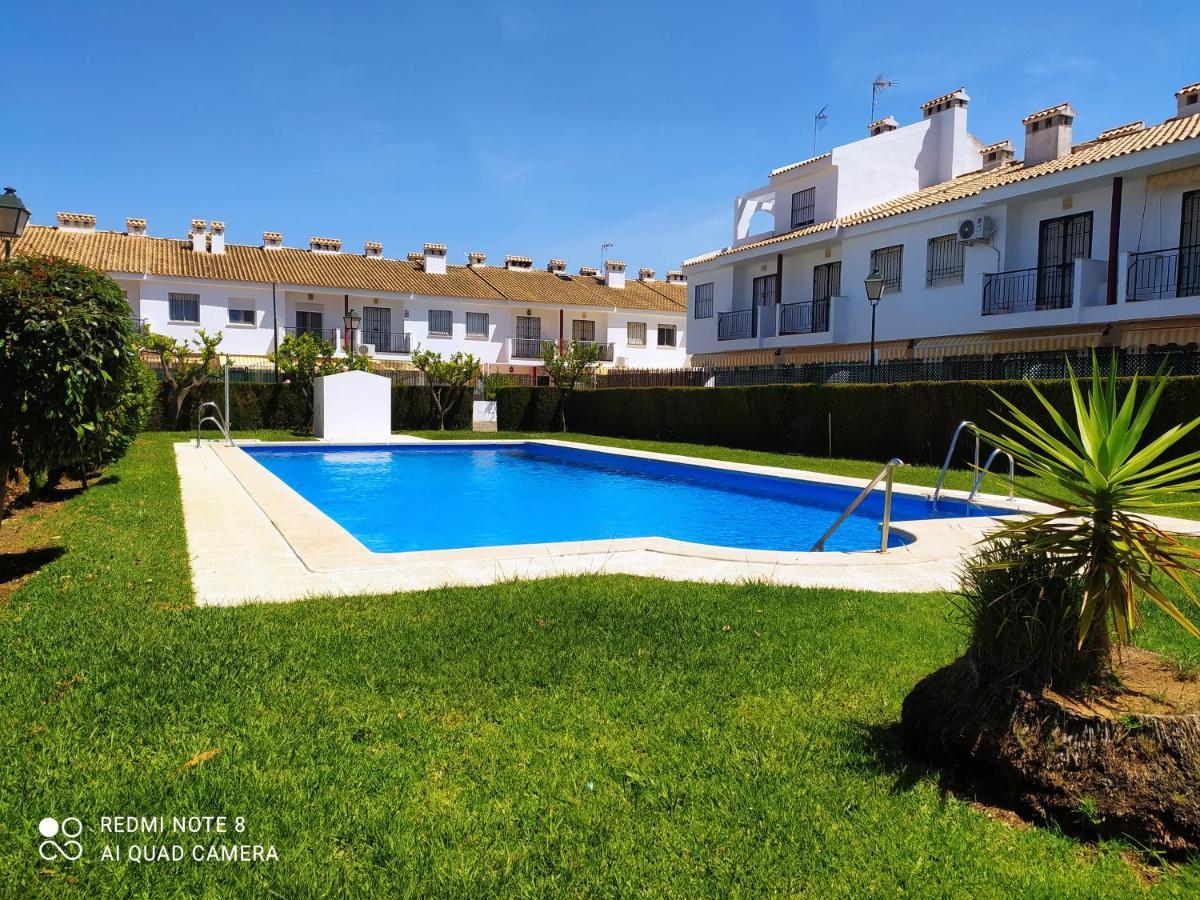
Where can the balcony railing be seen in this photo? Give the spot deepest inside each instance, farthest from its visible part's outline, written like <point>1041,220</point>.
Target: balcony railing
<point>741,323</point>
<point>388,342</point>
<point>1028,290</point>
<point>1157,274</point>
<point>321,334</point>
<point>139,324</point>
<point>525,348</point>
<point>809,317</point>
<point>606,350</point>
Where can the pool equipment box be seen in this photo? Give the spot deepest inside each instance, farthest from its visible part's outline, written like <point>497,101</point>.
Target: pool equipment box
<point>352,406</point>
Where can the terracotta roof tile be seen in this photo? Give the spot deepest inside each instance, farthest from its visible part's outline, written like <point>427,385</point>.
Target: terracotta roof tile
<point>797,165</point>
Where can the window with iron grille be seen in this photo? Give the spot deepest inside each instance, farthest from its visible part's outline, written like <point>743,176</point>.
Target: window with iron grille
<point>944,261</point>
<point>804,207</point>
<point>827,281</point>
<point>704,301</point>
<point>477,324</point>
<point>184,307</point>
<point>441,322</point>
<point>666,335</point>
<point>583,330</point>
<point>765,292</point>
<point>635,334</point>
<point>888,261</point>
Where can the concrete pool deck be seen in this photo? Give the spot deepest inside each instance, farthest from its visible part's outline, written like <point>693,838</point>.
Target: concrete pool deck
<point>252,538</point>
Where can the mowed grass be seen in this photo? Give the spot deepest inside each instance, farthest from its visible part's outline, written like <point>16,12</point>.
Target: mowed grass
<point>605,736</point>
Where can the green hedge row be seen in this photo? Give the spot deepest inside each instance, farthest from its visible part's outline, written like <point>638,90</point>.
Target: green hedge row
<point>913,421</point>
<point>254,406</point>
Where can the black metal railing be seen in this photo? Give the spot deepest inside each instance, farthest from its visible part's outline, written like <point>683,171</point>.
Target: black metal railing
<point>606,350</point>
<point>321,334</point>
<point>1028,290</point>
<point>388,342</point>
<point>809,317</point>
<point>1156,274</point>
<point>741,323</point>
<point>139,324</point>
<point>526,348</point>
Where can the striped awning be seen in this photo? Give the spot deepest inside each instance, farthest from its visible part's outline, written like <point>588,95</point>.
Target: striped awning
<point>1140,338</point>
<point>990,344</point>
<point>797,356</point>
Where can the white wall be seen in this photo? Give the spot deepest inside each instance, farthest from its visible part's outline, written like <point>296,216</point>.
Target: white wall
<point>148,299</point>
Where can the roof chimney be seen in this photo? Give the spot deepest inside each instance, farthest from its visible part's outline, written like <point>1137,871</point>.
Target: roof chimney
<point>476,258</point>
<point>1187,100</point>
<point>998,154</point>
<point>676,277</point>
<point>272,240</point>
<point>415,256</point>
<point>614,273</point>
<point>373,250</point>
<point>882,126</point>
<point>589,270</point>
<point>953,100</point>
<point>324,245</point>
<point>518,262</point>
<point>645,274</point>
<point>197,237</point>
<point>76,222</point>
<point>1048,134</point>
<point>216,243</point>
<point>434,258</point>
<point>135,227</point>
<point>557,267</point>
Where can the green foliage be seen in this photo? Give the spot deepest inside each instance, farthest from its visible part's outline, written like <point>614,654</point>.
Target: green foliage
<point>1113,470</point>
<point>125,417</point>
<point>446,379</point>
<point>493,381</point>
<point>567,368</point>
<point>304,357</point>
<point>65,364</point>
<point>187,366</point>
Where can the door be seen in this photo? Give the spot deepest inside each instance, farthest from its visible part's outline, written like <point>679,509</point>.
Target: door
<point>583,330</point>
<point>766,293</point>
<point>309,322</point>
<point>377,327</point>
<point>1061,241</point>
<point>528,342</point>
<point>1188,284</point>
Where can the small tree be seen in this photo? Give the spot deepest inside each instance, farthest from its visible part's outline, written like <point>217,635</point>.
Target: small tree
<point>305,357</point>
<point>187,366</point>
<point>567,368</point>
<point>447,379</point>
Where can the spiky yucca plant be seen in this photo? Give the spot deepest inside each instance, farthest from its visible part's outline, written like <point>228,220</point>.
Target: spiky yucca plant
<point>1113,474</point>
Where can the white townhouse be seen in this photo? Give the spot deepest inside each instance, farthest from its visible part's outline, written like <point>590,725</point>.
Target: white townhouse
<point>1077,244</point>
<point>255,295</point>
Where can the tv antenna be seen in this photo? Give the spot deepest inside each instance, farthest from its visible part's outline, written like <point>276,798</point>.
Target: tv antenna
<point>819,121</point>
<point>878,86</point>
<point>604,248</point>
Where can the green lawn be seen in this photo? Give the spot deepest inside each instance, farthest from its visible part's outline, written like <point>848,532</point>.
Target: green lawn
<point>579,736</point>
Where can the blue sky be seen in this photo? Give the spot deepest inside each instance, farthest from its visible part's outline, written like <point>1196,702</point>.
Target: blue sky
<point>542,129</point>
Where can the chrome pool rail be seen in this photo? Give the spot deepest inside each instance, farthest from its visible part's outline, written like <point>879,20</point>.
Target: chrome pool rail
<point>965,423</point>
<point>1012,475</point>
<point>218,420</point>
<point>884,473</point>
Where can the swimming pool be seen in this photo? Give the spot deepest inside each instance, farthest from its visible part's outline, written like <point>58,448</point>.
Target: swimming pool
<point>398,498</point>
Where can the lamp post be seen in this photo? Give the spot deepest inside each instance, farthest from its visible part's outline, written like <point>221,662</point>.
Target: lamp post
<point>351,320</point>
<point>13,218</point>
<point>874,286</point>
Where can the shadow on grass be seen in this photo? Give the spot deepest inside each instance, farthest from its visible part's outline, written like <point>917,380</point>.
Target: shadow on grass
<point>17,565</point>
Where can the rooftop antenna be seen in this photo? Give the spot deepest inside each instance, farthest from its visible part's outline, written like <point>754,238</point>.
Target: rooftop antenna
<point>878,86</point>
<point>819,121</point>
<point>604,248</point>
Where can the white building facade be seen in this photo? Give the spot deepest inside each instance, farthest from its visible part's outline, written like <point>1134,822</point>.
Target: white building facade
<point>1091,244</point>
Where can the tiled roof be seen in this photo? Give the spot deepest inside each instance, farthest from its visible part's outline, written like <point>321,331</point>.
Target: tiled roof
<point>1188,87</point>
<point>1064,108</point>
<point>1121,130</point>
<point>959,92</point>
<point>797,165</point>
<point>113,251</point>
<point>972,184</point>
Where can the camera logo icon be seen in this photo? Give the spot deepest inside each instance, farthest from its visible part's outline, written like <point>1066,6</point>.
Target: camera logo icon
<point>69,829</point>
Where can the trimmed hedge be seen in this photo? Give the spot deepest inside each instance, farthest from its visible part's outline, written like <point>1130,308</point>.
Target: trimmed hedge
<point>913,421</point>
<point>282,406</point>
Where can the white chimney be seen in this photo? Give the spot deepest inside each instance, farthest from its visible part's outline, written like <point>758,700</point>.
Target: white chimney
<point>523,263</point>
<point>324,245</point>
<point>476,258</point>
<point>998,154</point>
<point>216,243</point>
<point>882,126</point>
<point>1048,134</point>
<point>272,240</point>
<point>135,227</point>
<point>557,267</point>
<point>676,277</point>
<point>373,250</point>
<point>76,222</point>
<point>197,237</point>
<point>614,273</point>
<point>434,258</point>
<point>645,274</point>
<point>956,152</point>
<point>1187,100</point>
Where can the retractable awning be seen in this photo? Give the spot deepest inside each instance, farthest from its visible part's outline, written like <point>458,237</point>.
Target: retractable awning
<point>992,344</point>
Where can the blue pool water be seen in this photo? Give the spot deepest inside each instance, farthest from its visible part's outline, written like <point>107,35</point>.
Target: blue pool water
<point>438,496</point>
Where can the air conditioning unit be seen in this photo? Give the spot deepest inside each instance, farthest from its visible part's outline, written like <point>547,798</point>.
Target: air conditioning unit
<point>976,228</point>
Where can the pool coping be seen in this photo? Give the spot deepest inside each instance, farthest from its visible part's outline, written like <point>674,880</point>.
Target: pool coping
<point>252,537</point>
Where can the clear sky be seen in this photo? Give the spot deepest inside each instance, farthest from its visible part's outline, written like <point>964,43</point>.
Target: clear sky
<point>540,129</point>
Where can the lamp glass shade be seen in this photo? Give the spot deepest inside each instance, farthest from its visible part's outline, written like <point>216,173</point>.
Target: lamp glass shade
<point>13,214</point>
<point>874,286</point>
<point>351,320</point>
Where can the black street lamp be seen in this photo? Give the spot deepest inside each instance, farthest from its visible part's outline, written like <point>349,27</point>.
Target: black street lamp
<point>13,218</point>
<point>351,320</point>
<point>874,286</point>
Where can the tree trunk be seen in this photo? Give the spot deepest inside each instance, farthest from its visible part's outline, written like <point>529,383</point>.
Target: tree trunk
<point>3,489</point>
<point>441,412</point>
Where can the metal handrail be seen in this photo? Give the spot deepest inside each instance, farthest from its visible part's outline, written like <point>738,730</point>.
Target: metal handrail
<point>1012,472</point>
<point>218,420</point>
<point>965,423</point>
<point>885,472</point>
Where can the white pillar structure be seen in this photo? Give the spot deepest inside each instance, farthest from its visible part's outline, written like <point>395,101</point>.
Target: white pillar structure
<point>352,406</point>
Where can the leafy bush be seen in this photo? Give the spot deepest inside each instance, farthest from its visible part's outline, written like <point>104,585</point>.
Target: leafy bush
<point>187,366</point>
<point>493,381</point>
<point>304,357</point>
<point>446,380</point>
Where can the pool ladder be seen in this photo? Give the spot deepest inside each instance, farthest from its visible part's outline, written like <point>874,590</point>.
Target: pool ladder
<point>980,471</point>
<point>218,419</point>
<point>885,475</point>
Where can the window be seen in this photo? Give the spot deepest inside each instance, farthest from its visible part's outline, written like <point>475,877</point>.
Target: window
<point>583,330</point>
<point>635,334</point>
<point>804,207</point>
<point>666,335</point>
<point>440,322</point>
<point>241,316</point>
<point>309,322</point>
<point>477,324</point>
<point>888,260</point>
<point>764,290</point>
<point>944,261</point>
<point>184,307</point>
<point>827,281</point>
<point>704,301</point>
